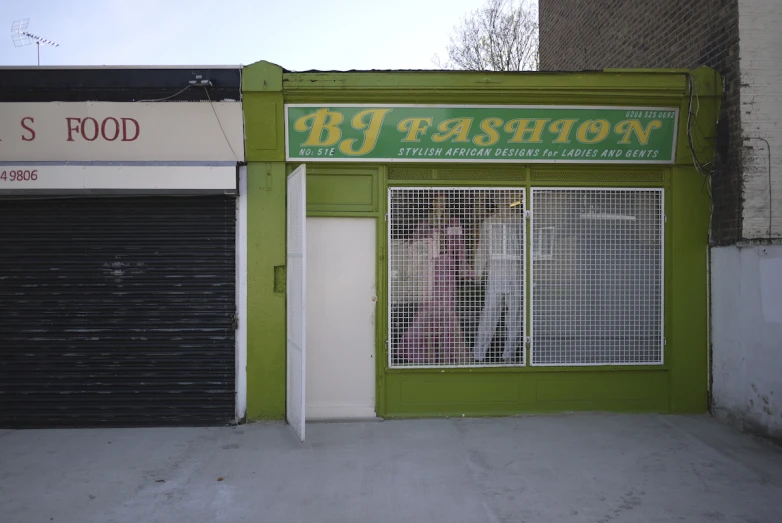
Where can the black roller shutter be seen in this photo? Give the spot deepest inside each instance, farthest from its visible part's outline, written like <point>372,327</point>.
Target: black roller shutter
<point>117,311</point>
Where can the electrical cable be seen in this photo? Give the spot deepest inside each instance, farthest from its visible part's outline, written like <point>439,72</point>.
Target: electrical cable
<point>704,169</point>
<point>700,167</point>
<point>212,105</point>
<point>770,198</point>
<point>167,97</point>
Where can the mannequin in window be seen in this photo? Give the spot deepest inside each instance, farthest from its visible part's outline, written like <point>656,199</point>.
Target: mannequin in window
<point>435,335</point>
<point>500,256</point>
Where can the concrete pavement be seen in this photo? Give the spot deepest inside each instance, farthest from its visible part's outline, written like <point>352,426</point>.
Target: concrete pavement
<point>577,467</point>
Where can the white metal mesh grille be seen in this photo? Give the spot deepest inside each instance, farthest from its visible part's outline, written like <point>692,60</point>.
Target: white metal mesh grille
<point>597,276</point>
<point>456,277</point>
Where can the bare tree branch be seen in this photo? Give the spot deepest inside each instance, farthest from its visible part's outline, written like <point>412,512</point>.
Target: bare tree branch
<point>500,36</point>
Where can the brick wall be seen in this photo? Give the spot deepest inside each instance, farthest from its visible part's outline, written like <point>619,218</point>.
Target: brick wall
<point>761,117</point>
<point>596,34</point>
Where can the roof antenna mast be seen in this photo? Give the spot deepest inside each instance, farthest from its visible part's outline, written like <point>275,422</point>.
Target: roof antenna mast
<point>22,37</point>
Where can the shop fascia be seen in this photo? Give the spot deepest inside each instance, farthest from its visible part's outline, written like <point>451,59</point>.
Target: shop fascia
<point>119,146</point>
<point>411,132</point>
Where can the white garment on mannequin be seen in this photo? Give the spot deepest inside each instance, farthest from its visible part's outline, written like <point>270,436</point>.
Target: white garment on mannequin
<point>501,254</point>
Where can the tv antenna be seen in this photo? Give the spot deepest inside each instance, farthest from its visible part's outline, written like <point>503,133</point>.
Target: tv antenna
<point>22,37</point>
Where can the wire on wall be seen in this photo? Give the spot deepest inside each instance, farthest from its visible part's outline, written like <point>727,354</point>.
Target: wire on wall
<point>212,105</point>
<point>703,168</point>
<point>167,97</point>
<point>770,198</point>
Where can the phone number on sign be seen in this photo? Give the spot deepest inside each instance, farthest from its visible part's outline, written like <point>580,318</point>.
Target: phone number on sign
<point>19,176</point>
<point>650,114</point>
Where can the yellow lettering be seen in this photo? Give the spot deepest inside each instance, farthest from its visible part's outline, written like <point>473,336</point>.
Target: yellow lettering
<point>521,126</point>
<point>491,135</point>
<point>628,127</point>
<point>563,127</point>
<point>598,128</point>
<point>371,130</point>
<point>413,127</point>
<point>456,128</point>
<point>320,122</point>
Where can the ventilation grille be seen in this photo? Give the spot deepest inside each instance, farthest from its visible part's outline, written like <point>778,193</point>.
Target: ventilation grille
<point>473,175</point>
<point>481,175</point>
<point>409,174</point>
<point>608,176</point>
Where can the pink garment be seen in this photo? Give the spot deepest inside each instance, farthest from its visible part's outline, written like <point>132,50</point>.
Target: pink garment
<point>435,334</point>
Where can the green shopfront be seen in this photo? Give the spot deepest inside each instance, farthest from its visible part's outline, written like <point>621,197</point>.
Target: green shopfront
<point>469,244</point>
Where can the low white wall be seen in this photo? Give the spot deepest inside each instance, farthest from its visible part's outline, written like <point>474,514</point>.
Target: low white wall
<point>746,303</point>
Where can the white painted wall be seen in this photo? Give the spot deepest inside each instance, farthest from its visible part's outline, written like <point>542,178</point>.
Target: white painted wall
<point>760,59</point>
<point>747,336</point>
<point>92,179</point>
<point>746,280</point>
<point>241,297</point>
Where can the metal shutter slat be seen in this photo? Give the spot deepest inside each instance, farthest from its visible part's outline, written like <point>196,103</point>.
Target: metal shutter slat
<point>117,311</point>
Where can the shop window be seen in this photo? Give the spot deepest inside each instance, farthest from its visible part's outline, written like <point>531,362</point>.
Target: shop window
<point>456,277</point>
<point>598,299</point>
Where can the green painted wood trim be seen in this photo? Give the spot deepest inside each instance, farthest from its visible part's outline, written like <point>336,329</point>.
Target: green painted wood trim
<point>637,88</point>
<point>685,321</point>
<point>645,71</point>
<point>264,126</point>
<point>679,386</point>
<point>687,281</point>
<point>381,312</point>
<point>532,370</point>
<point>496,394</point>
<point>527,267</point>
<point>636,83</point>
<point>264,123</point>
<point>265,304</point>
<point>340,214</point>
<point>262,76</point>
<point>348,189</point>
<point>655,394</point>
<point>445,183</point>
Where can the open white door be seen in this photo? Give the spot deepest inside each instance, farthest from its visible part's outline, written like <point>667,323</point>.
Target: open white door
<point>296,299</point>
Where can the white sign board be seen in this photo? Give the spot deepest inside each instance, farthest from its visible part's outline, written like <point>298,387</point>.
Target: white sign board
<point>124,178</point>
<point>126,131</point>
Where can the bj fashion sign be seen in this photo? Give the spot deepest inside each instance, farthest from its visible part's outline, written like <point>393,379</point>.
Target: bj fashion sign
<point>521,134</point>
<point>108,131</point>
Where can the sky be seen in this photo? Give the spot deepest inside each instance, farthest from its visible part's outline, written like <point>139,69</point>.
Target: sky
<point>295,34</point>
